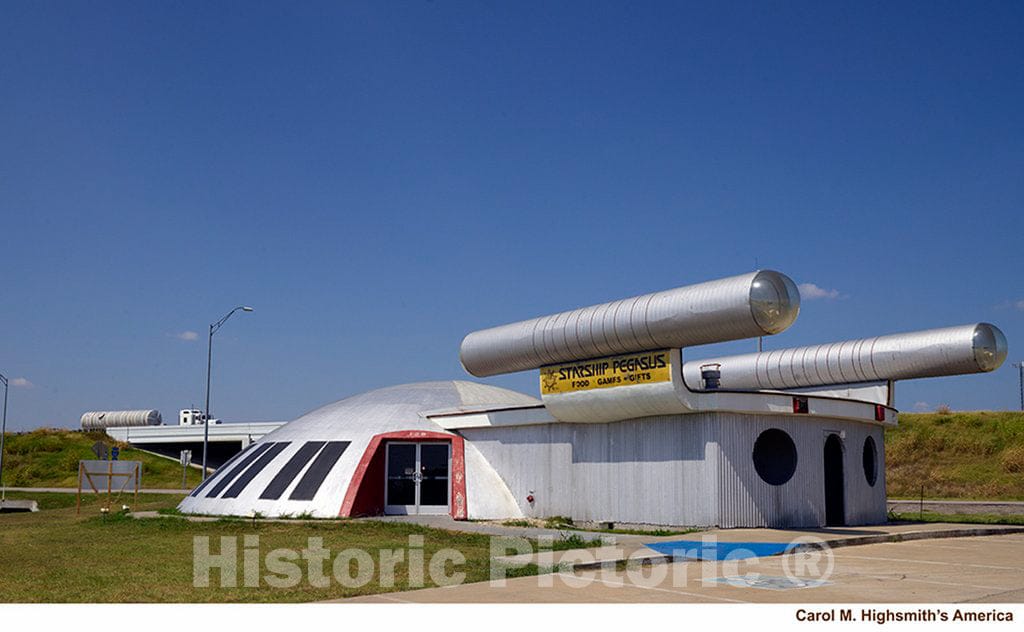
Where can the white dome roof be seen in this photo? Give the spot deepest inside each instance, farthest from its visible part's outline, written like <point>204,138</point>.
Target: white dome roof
<point>242,486</point>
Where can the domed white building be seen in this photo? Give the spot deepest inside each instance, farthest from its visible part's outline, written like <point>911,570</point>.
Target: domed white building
<point>625,430</point>
<point>373,453</point>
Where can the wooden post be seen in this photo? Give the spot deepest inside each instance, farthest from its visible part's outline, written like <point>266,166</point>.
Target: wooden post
<point>110,479</point>
<point>138,481</point>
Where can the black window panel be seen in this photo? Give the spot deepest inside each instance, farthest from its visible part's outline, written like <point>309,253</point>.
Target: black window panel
<point>317,473</point>
<point>434,491</point>
<point>870,461</point>
<point>434,460</point>
<point>230,475</point>
<point>401,460</point>
<point>223,468</point>
<point>401,491</point>
<point>775,456</point>
<point>257,467</point>
<point>291,469</point>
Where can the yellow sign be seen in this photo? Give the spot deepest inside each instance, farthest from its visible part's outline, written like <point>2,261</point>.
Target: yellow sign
<point>625,370</point>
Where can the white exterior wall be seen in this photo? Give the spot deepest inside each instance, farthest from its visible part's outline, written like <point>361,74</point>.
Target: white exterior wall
<point>487,497</point>
<point>676,470</point>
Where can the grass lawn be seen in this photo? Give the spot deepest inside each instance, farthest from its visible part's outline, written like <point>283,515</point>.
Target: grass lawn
<point>56,556</point>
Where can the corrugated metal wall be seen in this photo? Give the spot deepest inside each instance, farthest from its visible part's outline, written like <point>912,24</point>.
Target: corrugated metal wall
<point>634,470</point>
<point>746,500</point>
<point>678,470</point>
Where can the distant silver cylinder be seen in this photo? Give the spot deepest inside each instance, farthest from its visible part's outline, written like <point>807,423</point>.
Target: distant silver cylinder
<point>950,351</point>
<point>745,306</point>
<point>100,420</point>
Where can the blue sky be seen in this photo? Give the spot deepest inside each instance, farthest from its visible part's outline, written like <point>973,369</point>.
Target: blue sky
<point>378,179</point>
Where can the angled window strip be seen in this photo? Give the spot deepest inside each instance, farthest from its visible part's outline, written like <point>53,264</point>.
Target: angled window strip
<point>229,475</point>
<point>243,481</point>
<point>291,469</point>
<point>222,468</point>
<point>317,473</point>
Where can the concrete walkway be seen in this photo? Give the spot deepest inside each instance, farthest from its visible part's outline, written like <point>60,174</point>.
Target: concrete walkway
<point>1002,508</point>
<point>497,529</point>
<point>636,548</point>
<point>444,523</point>
<point>74,490</point>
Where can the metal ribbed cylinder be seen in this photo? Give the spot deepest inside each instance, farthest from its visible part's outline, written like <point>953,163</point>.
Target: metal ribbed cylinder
<point>974,348</point>
<point>745,306</point>
<point>100,420</point>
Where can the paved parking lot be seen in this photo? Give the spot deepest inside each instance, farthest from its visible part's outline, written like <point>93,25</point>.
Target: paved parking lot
<point>967,569</point>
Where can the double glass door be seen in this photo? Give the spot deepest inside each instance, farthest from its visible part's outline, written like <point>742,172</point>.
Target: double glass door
<point>418,478</point>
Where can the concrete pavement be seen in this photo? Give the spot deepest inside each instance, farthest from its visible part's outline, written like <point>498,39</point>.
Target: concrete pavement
<point>935,568</point>
<point>74,490</point>
<point>1001,508</point>
<point>498,529</point>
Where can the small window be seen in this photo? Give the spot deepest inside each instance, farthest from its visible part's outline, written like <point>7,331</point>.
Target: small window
<point>870,461</point>
<point>774,456</point>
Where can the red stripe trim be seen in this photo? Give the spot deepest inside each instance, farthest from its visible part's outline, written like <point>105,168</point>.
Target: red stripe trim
<point>458,490</point>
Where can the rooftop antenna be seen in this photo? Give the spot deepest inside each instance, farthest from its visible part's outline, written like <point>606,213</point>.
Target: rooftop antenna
<point>760,339</point>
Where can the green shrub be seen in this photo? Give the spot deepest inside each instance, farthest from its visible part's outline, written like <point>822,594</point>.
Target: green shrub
<point>557,521</point>
<point>517,523</point>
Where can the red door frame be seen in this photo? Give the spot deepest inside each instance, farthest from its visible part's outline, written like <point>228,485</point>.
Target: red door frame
<point>365,495</point>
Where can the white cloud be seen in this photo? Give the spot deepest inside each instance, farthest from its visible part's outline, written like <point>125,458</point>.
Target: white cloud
<point>1019,305</point>
<point>921,407</point>
<point>188,336</point>
<point>811,291</point>
<point>21,382</point>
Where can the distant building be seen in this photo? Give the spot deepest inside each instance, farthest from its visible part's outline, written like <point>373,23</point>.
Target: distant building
<point>194,417</point>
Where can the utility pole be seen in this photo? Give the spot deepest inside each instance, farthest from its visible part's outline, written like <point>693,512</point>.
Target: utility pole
<point>1020,373</point>
<point>3,432</point>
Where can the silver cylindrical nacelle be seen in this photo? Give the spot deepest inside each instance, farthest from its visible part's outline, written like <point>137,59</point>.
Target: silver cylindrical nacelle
<point>744,306</point>
<point>100,420</point>
<point>974,348</point>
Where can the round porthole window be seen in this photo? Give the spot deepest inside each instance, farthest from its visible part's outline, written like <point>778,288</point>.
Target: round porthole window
<point>774,456</point>
<point>870,461</point>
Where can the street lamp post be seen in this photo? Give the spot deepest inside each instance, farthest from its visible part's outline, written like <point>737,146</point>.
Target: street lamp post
<point>1020,377</point>
<point>3,434</point>
<point>209,365</point>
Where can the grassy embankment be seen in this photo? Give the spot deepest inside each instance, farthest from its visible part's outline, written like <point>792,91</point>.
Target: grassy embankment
<point>49,458</point>
<point>956,456</point>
